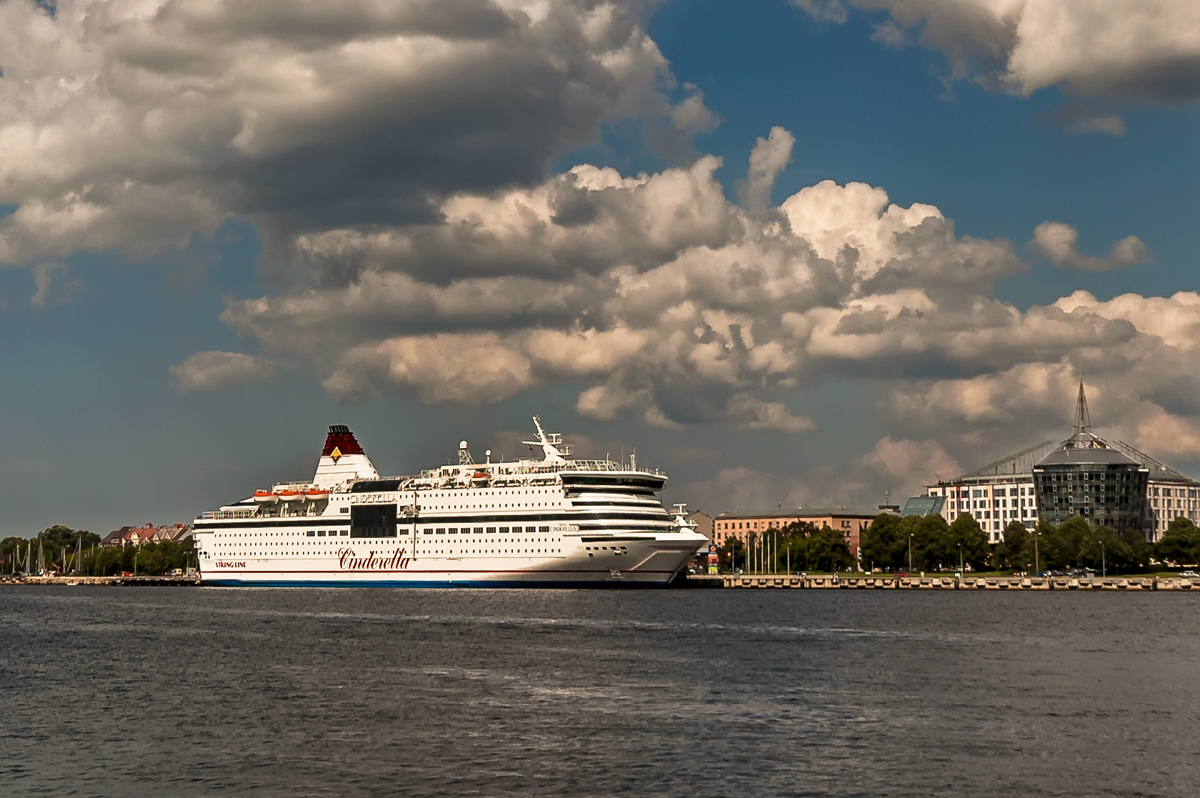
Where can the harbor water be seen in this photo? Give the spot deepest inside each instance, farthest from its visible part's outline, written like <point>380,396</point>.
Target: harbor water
<point>259,692</point>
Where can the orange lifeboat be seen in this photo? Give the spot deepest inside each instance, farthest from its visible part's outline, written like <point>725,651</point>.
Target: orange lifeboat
<point>292,495</point>
<point>265,497</point>
<point>316,495</point>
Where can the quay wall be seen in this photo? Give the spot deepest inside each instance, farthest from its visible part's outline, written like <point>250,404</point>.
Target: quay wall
<point>784,581</point>
<point>758,581</point>
<point>135,581</point>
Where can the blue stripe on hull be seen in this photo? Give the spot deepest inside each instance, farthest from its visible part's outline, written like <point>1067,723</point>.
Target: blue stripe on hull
<point>507,583</point>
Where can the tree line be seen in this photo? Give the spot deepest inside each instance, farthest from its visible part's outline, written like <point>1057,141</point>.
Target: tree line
<point>928,543</point>
<point>798,546</point>
<point>936,546</point>
<point>65,550</point>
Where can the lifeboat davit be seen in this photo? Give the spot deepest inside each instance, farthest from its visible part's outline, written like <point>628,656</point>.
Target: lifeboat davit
<point>265,497</point>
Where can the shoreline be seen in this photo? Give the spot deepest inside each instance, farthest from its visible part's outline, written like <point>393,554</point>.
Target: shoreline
<point>1133,584</point>
<point>126,581</point>
<point>830,582</point>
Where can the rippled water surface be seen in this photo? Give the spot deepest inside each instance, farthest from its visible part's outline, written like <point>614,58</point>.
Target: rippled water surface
<point>189,691</point>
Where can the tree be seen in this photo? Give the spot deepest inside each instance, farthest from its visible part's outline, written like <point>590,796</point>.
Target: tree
<point>829,551</point>
<point>1131,553</point>
<point>1180,544</point>
<point>149,558</point>
<point>1061,546</point>
<point>966,533</point>
<point>932,550</point>
<point>10,545</point>
<point>884,544</point>
<point>60,543</point>
<point>1098,549</point>
<point>732,554</point>
<point>1016,548</point>
<point>793,546</point>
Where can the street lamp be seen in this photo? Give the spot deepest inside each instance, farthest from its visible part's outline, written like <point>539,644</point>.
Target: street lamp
<point>1036,567</point>
<point>960,562</point>
<point>910,554</point>
<point>1103,569</point>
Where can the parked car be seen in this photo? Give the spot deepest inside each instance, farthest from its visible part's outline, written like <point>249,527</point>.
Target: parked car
<point>1189,575</point>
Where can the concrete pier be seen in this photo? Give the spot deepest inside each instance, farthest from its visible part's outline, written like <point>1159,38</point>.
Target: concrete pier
<point>886,582</point>
<point>128,581</point>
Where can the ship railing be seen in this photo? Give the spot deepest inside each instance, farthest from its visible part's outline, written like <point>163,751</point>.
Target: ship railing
<point>605,465</point>
<point>297,486</point>
<point>530,467</point>
<point>303,511</point>
<point>225,515</point>
<point>594,465</point>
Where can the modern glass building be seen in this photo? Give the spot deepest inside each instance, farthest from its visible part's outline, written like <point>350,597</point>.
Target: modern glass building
<point>1085,477</point>
<point>1004,491</point>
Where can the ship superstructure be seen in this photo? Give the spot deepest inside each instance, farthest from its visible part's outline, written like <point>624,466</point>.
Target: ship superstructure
<point>557,521</point>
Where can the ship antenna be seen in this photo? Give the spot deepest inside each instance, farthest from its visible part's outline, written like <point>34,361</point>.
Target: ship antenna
<point>552,455</point>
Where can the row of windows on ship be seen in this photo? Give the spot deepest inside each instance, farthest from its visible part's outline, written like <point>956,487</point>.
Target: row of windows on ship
<point>424,497</point>
<point>420,550</point>
<point>453,530</point>
<point>333,533</point>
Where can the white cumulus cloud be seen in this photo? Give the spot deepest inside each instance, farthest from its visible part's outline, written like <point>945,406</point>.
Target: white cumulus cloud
<point>1118,49</point>
<point>1058,242</point>
<point>212,371</point>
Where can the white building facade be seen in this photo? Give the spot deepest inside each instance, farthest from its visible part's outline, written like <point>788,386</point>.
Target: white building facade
<point>993,502</point>
<point>1002,492</point>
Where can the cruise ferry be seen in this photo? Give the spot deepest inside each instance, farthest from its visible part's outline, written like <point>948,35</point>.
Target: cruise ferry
<point>553,522</point>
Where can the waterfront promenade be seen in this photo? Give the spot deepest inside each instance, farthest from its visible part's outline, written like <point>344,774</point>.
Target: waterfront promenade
<point>777,581</point>
<point>134,581</point>
<point>830,582</point>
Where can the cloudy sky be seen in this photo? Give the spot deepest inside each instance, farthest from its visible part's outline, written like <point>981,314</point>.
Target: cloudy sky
<point>794,253</point>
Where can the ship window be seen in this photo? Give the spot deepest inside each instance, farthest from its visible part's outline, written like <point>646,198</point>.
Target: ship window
<point>491,530</point>
<point>373,521</point>
<point>320,533</point>
<point>441,530</point>
<point>344,532</point>
<point>504,530</point>
<point>453,530</point>
<point>543,529</point>
<point>311,533</point>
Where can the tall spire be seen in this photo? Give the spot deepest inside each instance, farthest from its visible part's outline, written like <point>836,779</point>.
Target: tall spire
<point>1083,421</point>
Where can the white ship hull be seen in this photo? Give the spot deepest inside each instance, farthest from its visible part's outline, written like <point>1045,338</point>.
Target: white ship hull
<point>551,523</point>
<point>644,562</point>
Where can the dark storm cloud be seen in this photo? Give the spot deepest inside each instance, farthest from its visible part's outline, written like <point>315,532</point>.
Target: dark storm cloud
<point>304,116</point>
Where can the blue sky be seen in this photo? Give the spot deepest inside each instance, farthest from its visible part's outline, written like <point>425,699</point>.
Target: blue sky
<point>226,228</point>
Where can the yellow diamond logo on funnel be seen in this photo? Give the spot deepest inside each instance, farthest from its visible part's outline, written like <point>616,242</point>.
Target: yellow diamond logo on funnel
<point>336,454</point>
